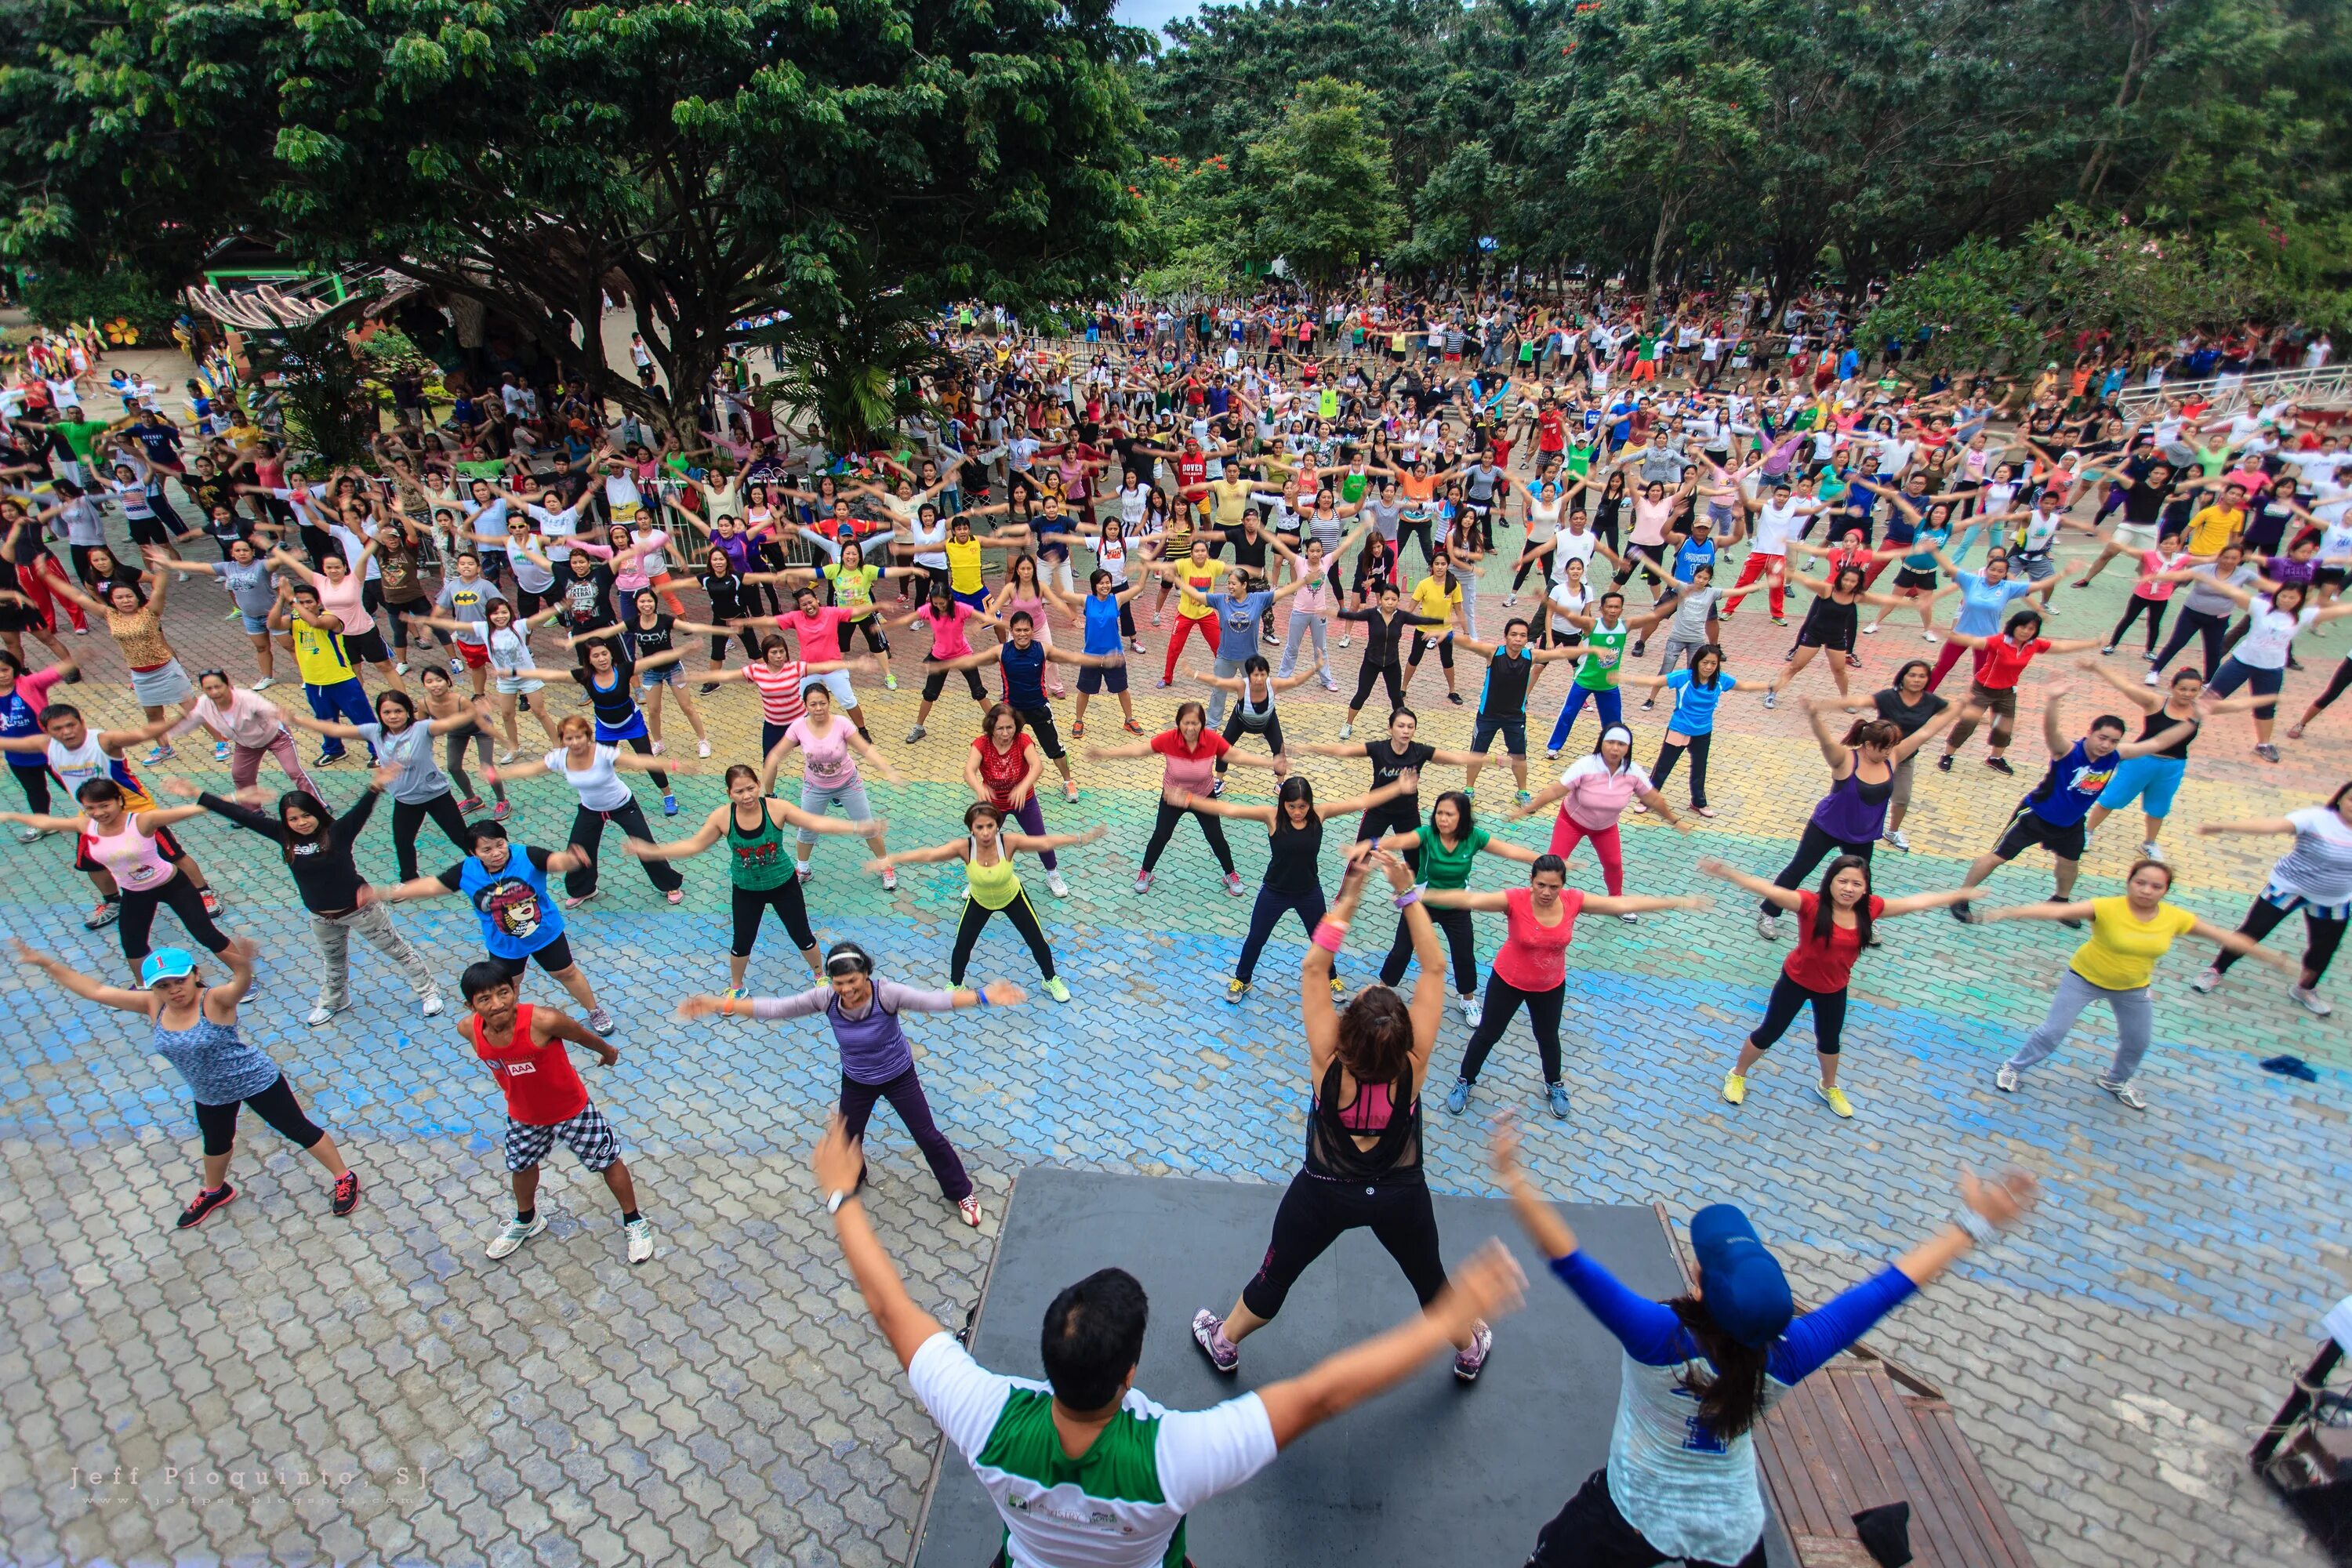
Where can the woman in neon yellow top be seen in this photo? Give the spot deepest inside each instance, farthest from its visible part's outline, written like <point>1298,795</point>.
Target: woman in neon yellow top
<point>2128,936</point>
<point>993,886</point>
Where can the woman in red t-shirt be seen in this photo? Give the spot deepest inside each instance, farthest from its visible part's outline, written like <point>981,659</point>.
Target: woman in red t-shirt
<point>1832,928</point>
<point>1531,966</point>
<point>1189,753</point>
<point>1002,769</point>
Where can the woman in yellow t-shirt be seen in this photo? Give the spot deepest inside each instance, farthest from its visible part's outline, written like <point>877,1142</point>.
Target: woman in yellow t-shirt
<point>2128,936</point>
<point>1437,597</point>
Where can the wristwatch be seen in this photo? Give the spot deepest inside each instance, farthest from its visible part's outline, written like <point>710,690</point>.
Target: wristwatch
<point>832,1205</point>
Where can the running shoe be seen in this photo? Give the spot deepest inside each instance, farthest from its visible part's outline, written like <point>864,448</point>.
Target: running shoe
<point>1771,700</point>
<point>669,805</point>
<point>2149,849</point>
<point>967,1210</point>
<point>1348,731</point>
<point>1469,1364</point>
<point>1468,1007</point>
<point>200,1207</point>
<point>1641,646</point>
<point>2000,764</point>
<point>346,1196</point>
<point>2207,983</point>
<point>2311,1001</point>
<point>641,1239</point>
<point>889,878</point>
<point>1649,703</point>
<point>499,812</point>
<point>2107,650</point>
<point>1458,1098</point>
<point>1157,621</point>
<point>2006,1080</point>
<point>1944,763</point>
<point>1454,698</point>
<point>432,1005</point>
<point>1137,645</point>
<point>1767,927</point>
<point>1853,662</point>
<point>676,895</point>
<point>801,871</point>
<point>265,683</point>
<point>1077,729</point>
<point>702,748</point>
<point>1631,919</point>
<point>1237,989</point>
<point>1894,837</point>
<point>1217,788</point>
<point>322,1013</point>
<point>506,757</point>
<point>1329,684</point>
<point>1735,1087</point>
<point>211,901</point>
<point>1834,1098</point>
<point>658,748</point>
<point>601,1020</point>
<point>915,734</point>
<point>1870,630</point>
<point>28,834</point>
<point>572,902</point>
<point>102,915</point>
<point>1143,881</point>
<point>1131,727</point>
<point>471,803</point>
<point>1780,620</point>
<point>328,759</point>
<point>220,751</point>
<point>1339,988</point>
<point>890,683</point>
<point>2150,679</point>
<point>1057,989</point>
<point>159,754</point>
<point>1165,683</point>
<point>706,688</point>
<point>1552,754</point>
<point>1208,1333</point>
<point>1556,1095</point>
<point>2267,752</point>
<point>516,1233</point>
<point>2126,1091</point>
<point>1060,889</point>
<point>1233,884</point>
<point>1069,789</point>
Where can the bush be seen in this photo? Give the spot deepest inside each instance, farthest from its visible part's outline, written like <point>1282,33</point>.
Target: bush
<point>58,296</point>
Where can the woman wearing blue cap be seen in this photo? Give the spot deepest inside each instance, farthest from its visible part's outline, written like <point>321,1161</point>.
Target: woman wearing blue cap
<point>1702,1369</point>
<point>195,1031</point>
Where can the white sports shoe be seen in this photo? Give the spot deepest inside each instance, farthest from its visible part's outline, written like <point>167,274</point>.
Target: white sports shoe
<point>516,1233</point>
<point>1061,889</point>
<point>641,1239</point>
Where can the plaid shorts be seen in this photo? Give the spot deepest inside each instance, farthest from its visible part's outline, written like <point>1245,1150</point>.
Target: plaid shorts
<point>588,1135</point>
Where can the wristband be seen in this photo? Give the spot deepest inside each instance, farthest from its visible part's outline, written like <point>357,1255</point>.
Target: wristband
<point>832,1205</point>
<point>1411,896</point>
<point>1981,1230</point>
<point>981,995</point>
<point>1329,936</point>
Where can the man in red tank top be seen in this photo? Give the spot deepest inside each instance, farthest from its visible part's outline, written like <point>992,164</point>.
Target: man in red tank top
<point>527,1049</point>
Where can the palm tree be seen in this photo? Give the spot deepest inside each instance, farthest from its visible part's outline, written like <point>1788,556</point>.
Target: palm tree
<point>859,369</point>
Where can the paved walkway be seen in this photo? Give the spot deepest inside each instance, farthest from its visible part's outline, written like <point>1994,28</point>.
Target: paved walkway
<point>290,1388</point>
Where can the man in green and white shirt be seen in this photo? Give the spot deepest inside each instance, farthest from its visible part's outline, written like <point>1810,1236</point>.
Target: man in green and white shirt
<point>1085,1471</point>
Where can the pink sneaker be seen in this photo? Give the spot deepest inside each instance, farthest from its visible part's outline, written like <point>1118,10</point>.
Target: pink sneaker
<point>1208,1333</point>
<point>1469,1364</point>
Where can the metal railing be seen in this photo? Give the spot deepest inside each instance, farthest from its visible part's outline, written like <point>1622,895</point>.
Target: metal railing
<point>2327,387</point>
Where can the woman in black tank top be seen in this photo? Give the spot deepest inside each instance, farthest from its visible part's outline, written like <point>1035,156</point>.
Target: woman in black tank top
<point>1294,826</point>
<point>1363,1157</point>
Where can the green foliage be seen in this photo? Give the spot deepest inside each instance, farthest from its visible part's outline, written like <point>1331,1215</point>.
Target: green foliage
<point>857,371</point>
<point>330,404</point>
<point>1193,243</point>
<point>1318,183</point>
<point>55,296</point>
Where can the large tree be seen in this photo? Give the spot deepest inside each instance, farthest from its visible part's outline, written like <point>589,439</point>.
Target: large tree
<point>712,161</point>
<point>1319,182</point>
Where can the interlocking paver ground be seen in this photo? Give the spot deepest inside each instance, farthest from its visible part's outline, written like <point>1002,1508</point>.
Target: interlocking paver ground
<point>288,1388</point>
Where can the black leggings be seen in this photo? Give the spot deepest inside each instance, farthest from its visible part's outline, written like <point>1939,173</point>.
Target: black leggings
<point>1813,848</point>
<point>1025,921</point>
<point>454,762</point>
<point>2210,630</point>
<point>588,833</point>
<point>1370,673</point>
<point>1272,904</point>
<point>751,903</point>
<point>1420,645</point>
<point>407,817</point>
<point>2336,689</point>
<point>1789,999</point>
<point>1589,1533</point>
<point>1212,829</point>
<point>1317,1211</point>
<point>187,900</point>
<point>937,682</point>
<point>2134,608</point>
<point>2321,937</point>
<point>1502,1000</point>
<point>1455,924</point>
<point>405,608</point>
<point>1669,753</point>
<point>1235,729</point>
<point>275,1105</point>
<point>718,646</point>
<point>1414,532</point>
<point>35,783</point>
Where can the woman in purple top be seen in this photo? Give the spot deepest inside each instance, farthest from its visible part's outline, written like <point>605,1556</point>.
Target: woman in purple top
<point>1852,818</point>
<point>875,1062</point>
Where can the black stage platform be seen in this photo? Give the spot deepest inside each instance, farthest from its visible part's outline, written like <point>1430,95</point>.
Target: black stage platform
<point>1430,1473</point>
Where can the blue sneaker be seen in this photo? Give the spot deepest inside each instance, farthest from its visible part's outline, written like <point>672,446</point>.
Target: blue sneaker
<point>1458,1098</point>
<point>669,805</point>
<point>1557,1094</point>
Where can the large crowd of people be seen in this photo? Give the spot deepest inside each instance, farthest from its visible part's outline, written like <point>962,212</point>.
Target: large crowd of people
<point>1369,476</point>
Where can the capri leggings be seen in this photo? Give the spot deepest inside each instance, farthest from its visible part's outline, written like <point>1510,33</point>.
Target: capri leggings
<point>454,764</point>
<point>276,1105</point>
<point>1789,999</point>
<point>1025,921</point>
<point>752,903</point>
<point>1165,828</point>
<point>1814,848</point>
<point>1370,673</point>
<point>1502,1000</point>
<point>937,682</point>
<point>407,817</point>
<point>1608,843</point>
<point>2336,689</point>
<point>187,900</point>
<point>1420,645</point>
<point>2207,627</point>
<point>1455,924</point>
<point>1317,1211</point>
<point>2323,931</point>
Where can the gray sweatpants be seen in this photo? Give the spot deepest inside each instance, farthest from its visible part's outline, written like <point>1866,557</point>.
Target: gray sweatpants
<point>1227,668</point>
<point>1302,625</point>
<point>1677,650</point>
<point>2135,1024</point>
<point>373,922</point>
<point>819,801</point>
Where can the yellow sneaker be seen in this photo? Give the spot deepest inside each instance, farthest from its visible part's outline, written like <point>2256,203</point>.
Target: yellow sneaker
<point>1735,1087</point>
<point>1835,1098</point>
<point>1234,989</point>
<point>1339,989</point>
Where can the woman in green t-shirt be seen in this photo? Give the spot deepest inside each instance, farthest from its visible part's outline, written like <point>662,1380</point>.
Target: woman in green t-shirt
<point>1450,843</point>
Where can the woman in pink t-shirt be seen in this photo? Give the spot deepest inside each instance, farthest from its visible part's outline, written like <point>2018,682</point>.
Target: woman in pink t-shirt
<point>1592,794</point>
<point>946,619</point>
<point>1531,966</point>
<point>1190,752</point>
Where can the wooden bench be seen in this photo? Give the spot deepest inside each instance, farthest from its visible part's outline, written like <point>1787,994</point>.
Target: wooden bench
<point>1865,1431</point>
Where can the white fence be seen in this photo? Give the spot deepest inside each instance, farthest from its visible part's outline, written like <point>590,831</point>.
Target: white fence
<point>2330,387</point>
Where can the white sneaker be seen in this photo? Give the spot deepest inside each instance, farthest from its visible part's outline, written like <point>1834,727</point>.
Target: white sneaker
<point>1346,731</point>
<point>401,669</point>
<point>2006,1080</point>
<point>2150,850</point>
<point>702,748</point>
<point>2311,1001</point>
<point>2150,678</point>
<point>1769,927</point>
<point>516,1233</point>
<point>264,684</point>
<point>2125,1091</point>
<point>1060,889</point>
<point>601,1020</point>
<point>1894,837</point>
<point>1631,919</point>
<point>322,1013</point>
<point>658,748</point>
<point>432,1005</point>
<point>641,1239</point>
<point>1468,1006</point>
<point>2207,983</point>
<point>889,878</point>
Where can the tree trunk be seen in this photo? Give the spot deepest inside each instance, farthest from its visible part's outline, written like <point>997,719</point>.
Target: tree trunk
<point>2143,43</point>
<point>1669,210</point>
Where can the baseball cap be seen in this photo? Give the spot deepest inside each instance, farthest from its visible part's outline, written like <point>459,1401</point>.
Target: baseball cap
<point>166,964</point>
<point>1741,1284</point>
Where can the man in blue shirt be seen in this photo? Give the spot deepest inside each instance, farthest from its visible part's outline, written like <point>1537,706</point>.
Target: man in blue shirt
<point>522,922</point>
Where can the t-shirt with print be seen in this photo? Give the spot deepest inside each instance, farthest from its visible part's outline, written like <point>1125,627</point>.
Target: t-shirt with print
<point>1122,1503</point>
